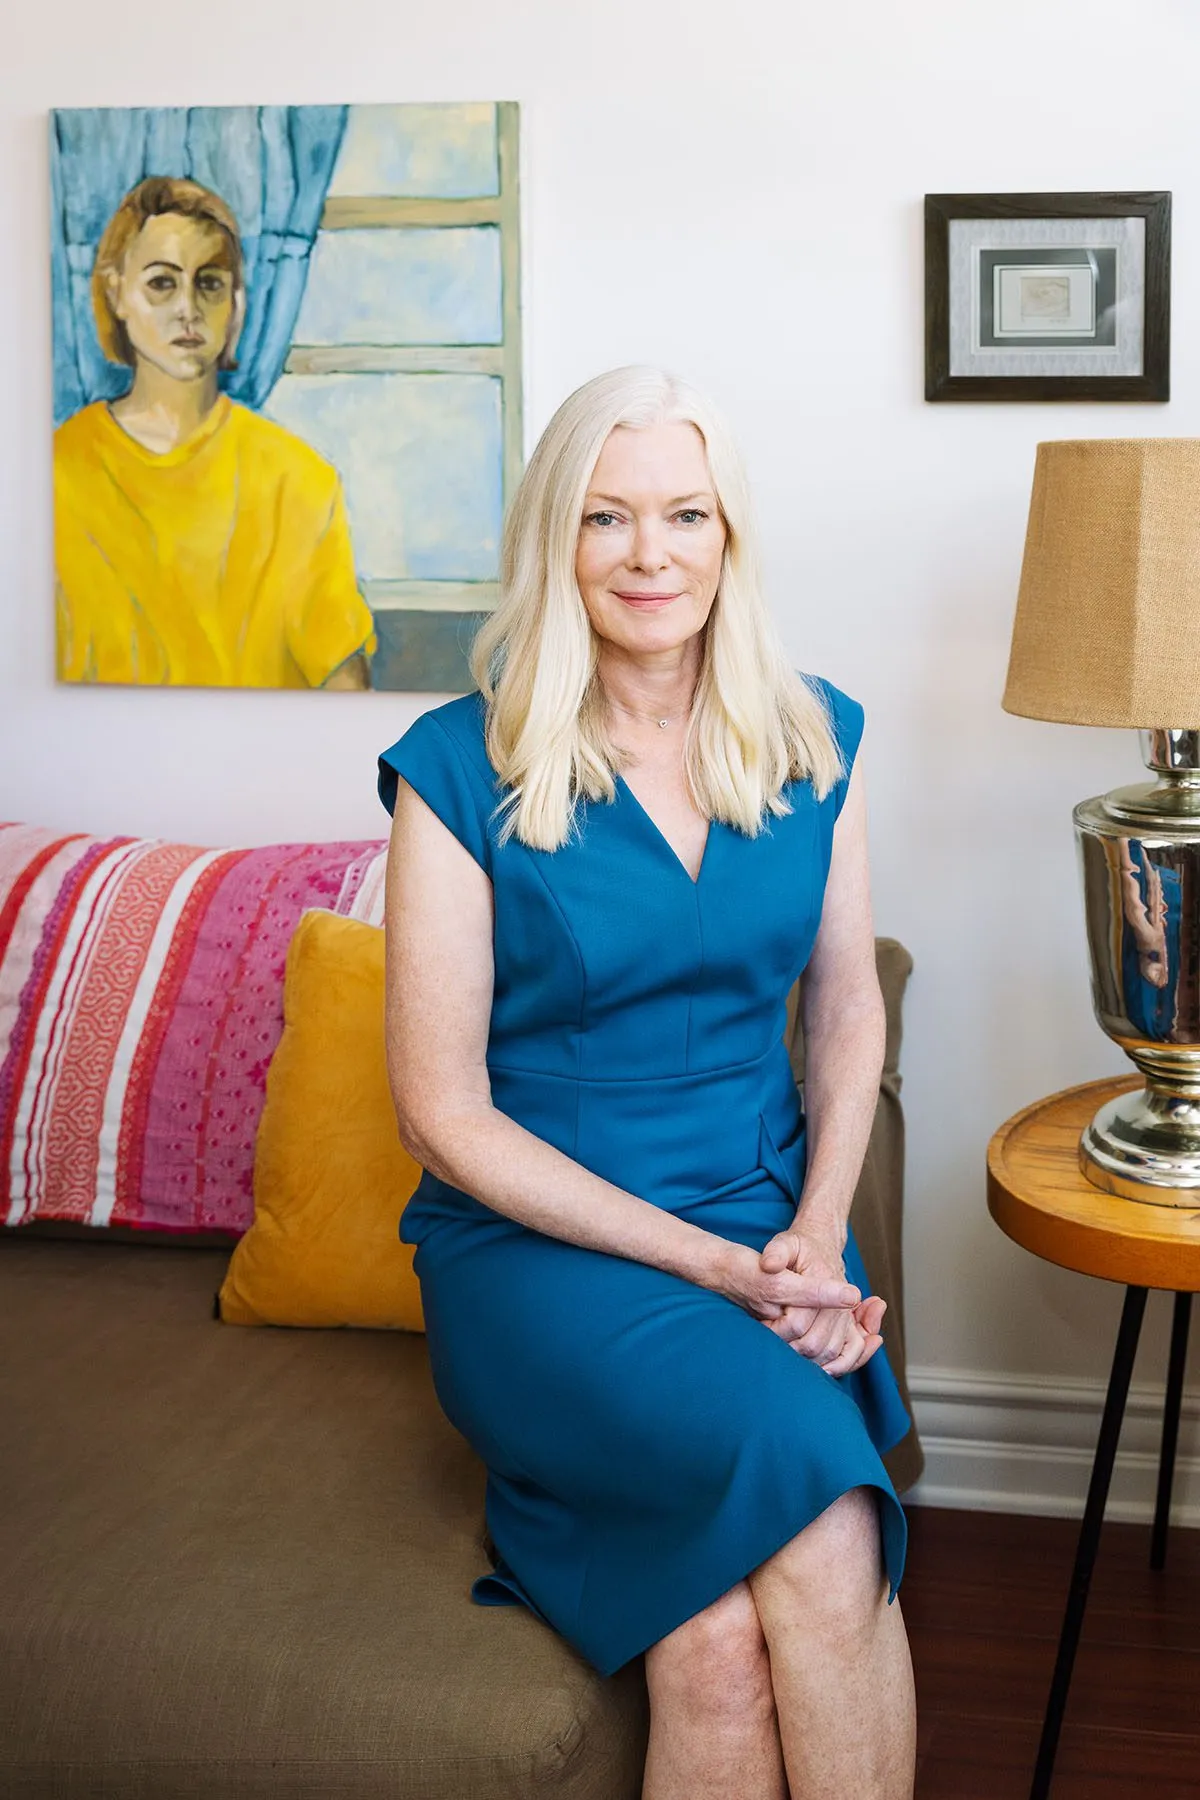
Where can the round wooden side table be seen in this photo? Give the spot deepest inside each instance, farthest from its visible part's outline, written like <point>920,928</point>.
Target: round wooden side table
<point>1040,1197</point>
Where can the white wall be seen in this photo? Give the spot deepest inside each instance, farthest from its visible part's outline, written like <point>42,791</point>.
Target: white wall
<point>735,190</point>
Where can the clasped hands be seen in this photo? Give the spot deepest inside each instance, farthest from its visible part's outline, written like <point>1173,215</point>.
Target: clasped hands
<point>800,1292</point>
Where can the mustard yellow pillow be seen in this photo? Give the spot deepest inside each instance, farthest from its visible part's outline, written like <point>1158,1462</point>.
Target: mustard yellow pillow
<point>331,1176</point>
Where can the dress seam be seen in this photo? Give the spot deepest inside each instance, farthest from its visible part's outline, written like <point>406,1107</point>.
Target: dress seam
<point>579,1078</point>
<point>485,859</point>
<point>696,980</point>
<point>469,768</point>
<point>636,1080</point>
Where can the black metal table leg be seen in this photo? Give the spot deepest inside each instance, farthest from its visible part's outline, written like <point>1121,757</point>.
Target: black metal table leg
<point>1172,1406</point>
<point>1089,1535</point>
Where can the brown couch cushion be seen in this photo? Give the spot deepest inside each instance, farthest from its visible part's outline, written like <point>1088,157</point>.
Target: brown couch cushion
<point>237,1564</point>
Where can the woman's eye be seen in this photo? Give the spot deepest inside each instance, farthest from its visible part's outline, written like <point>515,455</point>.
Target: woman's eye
<point>161,284</point>
<point>210,284</point>
<point>602,519</point>
<point>691,515</point>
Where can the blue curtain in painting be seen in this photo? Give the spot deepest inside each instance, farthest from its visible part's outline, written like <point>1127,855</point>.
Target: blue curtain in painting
<point>271,164</point>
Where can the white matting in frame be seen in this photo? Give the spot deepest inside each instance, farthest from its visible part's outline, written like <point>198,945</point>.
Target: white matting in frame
<point>1041,299</point>
<point>968,237</point>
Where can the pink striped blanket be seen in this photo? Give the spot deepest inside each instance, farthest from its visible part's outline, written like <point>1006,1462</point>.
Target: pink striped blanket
<point>141,999</point>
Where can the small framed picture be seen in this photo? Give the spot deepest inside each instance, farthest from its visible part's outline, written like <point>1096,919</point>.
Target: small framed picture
<point>1047,296</point>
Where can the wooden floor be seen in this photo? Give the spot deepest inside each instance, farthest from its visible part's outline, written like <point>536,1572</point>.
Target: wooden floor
<point>983,1597</point>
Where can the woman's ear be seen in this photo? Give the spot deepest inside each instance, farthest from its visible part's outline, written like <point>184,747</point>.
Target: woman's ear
<point>236,322</point>
<point>112,289</point>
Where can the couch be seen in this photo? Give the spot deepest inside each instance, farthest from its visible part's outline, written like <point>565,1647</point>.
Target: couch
<point>235,1563</point>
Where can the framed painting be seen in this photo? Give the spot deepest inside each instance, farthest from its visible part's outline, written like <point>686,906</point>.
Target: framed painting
<point>1047,296</point>
<point>287,359</point>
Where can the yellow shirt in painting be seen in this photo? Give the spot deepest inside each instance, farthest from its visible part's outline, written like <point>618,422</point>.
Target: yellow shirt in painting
<point>225,562</point>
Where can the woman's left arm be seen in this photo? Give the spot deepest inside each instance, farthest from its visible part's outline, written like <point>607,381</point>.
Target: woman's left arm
<point>844,1037</point>
<point>844,1030</point>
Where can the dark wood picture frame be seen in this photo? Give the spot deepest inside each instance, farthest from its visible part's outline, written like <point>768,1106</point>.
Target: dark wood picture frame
<point>1154,382</point>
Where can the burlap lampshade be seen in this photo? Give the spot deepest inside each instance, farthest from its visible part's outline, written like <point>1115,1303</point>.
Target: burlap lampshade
<point>1107,630</point>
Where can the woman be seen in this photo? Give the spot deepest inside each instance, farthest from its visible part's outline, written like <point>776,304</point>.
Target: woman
<point>196,542</point>
<point>606,871</point>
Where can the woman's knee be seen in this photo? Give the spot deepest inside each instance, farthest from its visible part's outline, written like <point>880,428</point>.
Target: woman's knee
<point>716,1660</point>
<point>834,1568</point>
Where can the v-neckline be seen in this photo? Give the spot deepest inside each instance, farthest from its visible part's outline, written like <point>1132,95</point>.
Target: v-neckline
<point>665,840</point>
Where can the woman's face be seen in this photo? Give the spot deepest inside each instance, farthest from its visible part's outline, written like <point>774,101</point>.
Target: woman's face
<point>651,540</point>
<point>174,295</point>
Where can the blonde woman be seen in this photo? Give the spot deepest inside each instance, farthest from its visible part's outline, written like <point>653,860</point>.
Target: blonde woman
<point>644,1310</point>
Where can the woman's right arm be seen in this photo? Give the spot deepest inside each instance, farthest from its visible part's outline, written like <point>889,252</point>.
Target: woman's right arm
<point>439,1001</point>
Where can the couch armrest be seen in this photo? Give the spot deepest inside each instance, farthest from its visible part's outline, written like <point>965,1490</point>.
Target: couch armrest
<point>877,1213</point>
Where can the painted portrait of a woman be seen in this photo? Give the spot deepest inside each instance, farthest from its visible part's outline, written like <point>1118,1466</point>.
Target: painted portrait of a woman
<point>197,543</point>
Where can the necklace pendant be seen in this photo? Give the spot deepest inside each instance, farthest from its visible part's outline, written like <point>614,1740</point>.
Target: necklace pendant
<point>663,723</point>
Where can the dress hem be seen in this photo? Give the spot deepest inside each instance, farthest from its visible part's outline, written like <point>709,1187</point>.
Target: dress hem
<point>892,1522</point>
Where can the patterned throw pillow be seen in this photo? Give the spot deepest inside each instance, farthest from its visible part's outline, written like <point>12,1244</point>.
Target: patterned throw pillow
<point>141,1000</point>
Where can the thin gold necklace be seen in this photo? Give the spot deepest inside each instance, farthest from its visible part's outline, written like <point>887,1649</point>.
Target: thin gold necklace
<point>648,718</point>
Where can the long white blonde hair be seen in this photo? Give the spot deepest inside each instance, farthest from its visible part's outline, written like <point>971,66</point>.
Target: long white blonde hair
<point>755,724</point>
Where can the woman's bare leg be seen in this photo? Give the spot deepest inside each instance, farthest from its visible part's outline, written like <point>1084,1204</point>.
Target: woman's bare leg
<point>840,1667</point>
<point>713,1730</point>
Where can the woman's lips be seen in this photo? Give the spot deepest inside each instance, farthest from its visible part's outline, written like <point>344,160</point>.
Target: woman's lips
<point>646,602</point>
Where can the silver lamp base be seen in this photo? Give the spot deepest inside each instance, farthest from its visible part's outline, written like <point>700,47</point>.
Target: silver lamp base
<point>1140,854</point>
<point>1149,1138</point>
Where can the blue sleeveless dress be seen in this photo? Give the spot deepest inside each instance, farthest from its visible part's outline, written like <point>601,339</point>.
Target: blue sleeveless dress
<point>647,1442</point>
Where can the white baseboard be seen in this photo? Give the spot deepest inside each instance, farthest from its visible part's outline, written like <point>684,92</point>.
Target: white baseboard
<point>1019,1445</point>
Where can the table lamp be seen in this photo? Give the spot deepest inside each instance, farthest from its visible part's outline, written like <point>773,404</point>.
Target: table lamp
<point>1107,632</point>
